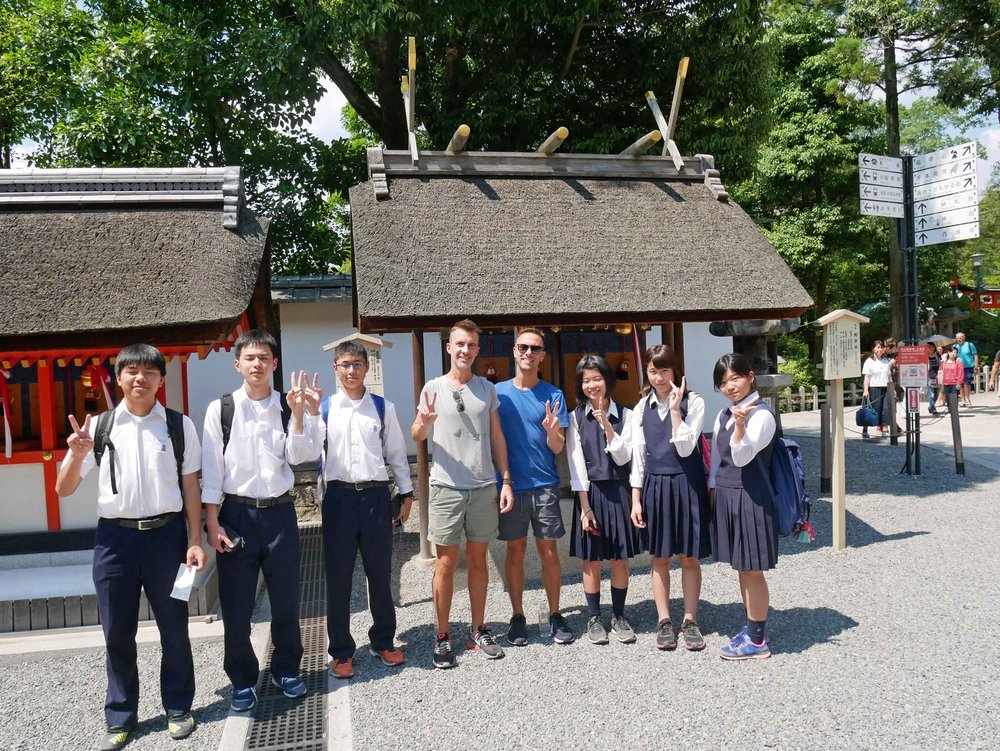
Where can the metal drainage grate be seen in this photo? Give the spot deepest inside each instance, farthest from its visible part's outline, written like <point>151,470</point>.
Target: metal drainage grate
<point>282,724</point>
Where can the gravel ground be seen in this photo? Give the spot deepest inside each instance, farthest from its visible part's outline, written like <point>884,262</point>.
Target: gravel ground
<point>55,700</point>
<point>891,644</point>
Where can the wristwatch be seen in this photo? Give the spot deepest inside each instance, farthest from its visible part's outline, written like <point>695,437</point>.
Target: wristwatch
<point>508,481</point>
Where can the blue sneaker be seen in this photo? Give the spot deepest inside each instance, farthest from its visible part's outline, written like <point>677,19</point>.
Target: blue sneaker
<point>293,687</point>
<point>741,648</point>
<point>244,699</point>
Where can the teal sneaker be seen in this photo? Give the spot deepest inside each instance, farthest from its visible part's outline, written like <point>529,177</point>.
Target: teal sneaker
<point>741,648</point>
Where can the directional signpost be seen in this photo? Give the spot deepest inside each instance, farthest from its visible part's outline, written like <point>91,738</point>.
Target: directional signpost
<point>936,198</point>
<point>946,195</point>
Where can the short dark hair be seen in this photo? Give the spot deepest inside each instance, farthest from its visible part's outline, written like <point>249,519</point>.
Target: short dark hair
<point>256,337</point>
<point>140,354</point>
<point>352,347</point>
<point>591,361</point>
<point>733,361</point>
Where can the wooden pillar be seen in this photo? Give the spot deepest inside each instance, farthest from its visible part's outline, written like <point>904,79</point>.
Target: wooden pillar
<point>679,343</point>
<point>667,334</point>
<point>839,476</point>
<point>47,418</point>
<point>423,461</point>
<point>184,382</point>
<point>557,362</point>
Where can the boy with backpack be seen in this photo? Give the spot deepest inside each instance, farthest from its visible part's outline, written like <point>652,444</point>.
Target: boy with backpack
<point>252,436</point>
<point>148,459</point>
<point>363,439</point>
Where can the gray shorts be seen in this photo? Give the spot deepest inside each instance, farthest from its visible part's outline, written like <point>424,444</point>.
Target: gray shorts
<point>540,507</point>
<point>453,514</point>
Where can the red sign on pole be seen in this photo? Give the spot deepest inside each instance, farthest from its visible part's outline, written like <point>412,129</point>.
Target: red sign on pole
<point>912,362</point>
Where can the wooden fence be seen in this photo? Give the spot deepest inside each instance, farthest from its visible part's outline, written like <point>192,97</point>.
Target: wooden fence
<point>803,399</point>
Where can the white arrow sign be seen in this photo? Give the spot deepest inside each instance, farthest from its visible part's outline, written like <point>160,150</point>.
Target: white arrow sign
<point>946,187</point>
<point>878,177</point>
<point>880,161</point>
<point>966,167</point>
<point>945,203</point>
<point>946,235</point>
<point>946,219</point>
<point>945,156</point>
<point>882,208</point>
<point>880,193</point>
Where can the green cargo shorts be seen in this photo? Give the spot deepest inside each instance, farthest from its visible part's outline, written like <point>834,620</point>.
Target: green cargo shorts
<point>452,513</point>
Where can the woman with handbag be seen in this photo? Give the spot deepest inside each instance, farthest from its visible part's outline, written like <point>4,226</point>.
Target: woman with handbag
<point>876,372</point>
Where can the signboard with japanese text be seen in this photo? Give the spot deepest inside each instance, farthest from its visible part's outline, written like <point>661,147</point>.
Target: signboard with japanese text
<point>911,359</point>
<point>842,349</point>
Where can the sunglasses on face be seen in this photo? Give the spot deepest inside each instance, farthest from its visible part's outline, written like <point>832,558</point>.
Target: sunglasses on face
<point>459,404</point>
<point>532,348</point>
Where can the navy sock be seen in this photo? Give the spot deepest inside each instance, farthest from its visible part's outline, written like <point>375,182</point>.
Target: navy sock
<point>594,604</point>
<point>618,601</point>
<point>756,631</point>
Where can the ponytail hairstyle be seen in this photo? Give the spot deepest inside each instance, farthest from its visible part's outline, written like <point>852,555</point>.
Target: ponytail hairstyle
<point>662,356</point>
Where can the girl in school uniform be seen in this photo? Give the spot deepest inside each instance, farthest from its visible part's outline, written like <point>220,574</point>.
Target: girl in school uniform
<point>599,448</point>
<point>669,493</point>
<point>745,532</point>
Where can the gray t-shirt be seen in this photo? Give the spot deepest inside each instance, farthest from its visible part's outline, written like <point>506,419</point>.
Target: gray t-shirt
<point>460,437</point>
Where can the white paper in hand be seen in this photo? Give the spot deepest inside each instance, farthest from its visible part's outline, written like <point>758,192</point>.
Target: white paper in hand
<point>183,583</point>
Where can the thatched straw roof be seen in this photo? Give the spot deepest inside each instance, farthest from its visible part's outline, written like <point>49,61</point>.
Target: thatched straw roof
<point>456,237</point>
<point>107,274</point>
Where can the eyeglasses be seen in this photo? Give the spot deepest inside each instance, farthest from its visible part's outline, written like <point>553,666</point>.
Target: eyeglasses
<point>349,366</point>
<point>532,348</point>
<point>459,404</point>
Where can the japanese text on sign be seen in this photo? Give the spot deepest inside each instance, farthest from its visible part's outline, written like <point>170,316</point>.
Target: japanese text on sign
<point>841,350</point>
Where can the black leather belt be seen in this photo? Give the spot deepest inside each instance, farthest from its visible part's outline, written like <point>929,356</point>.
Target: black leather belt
<point>261,502</point>
<point>144,525</point>
<point>360,485</point>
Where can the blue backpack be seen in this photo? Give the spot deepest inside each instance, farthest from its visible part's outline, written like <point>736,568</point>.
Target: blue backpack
<point>788,484</point>
<point>325,409</point>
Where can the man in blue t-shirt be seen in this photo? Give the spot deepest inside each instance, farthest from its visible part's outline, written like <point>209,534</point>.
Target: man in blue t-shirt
<point>533,417</point>
<point>970,362</point>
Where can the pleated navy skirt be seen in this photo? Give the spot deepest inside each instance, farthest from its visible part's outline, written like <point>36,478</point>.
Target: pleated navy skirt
<point>611,501</point>
<point>677,515</point>
<point>745,531</point>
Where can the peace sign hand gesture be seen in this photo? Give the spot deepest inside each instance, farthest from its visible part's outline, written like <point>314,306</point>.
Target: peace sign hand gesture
<point>551,421</point>
<point>80,441</point>
<point>676,395</point>
<point>740,414</point>
<point>311,393</point>
<point>426,412</point>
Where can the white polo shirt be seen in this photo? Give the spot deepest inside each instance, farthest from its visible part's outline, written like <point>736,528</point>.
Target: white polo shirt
<point>145,467</point>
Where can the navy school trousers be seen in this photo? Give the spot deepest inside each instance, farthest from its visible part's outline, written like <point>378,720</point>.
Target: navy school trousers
<point>125,561</point>
<point>356,520</point>
<point>272,547</point>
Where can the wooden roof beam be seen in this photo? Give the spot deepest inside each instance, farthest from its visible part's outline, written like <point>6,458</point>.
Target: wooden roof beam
<point>554,141</point>
<point>457,142</point>
<point>643,144</point>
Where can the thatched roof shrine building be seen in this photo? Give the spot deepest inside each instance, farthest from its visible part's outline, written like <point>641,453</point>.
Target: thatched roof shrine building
<point>93,260</point>
<point>559,239</point>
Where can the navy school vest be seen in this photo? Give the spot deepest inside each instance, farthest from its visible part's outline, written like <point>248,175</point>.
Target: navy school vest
<point>661,455</point>
<point>600,465</point>
<point>750,477</point>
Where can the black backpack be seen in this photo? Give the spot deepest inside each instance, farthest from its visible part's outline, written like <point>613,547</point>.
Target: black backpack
<point>102,441</point>
<point>228,409</point>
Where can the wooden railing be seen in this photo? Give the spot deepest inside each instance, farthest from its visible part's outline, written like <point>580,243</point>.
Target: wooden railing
<point>803,399</point>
